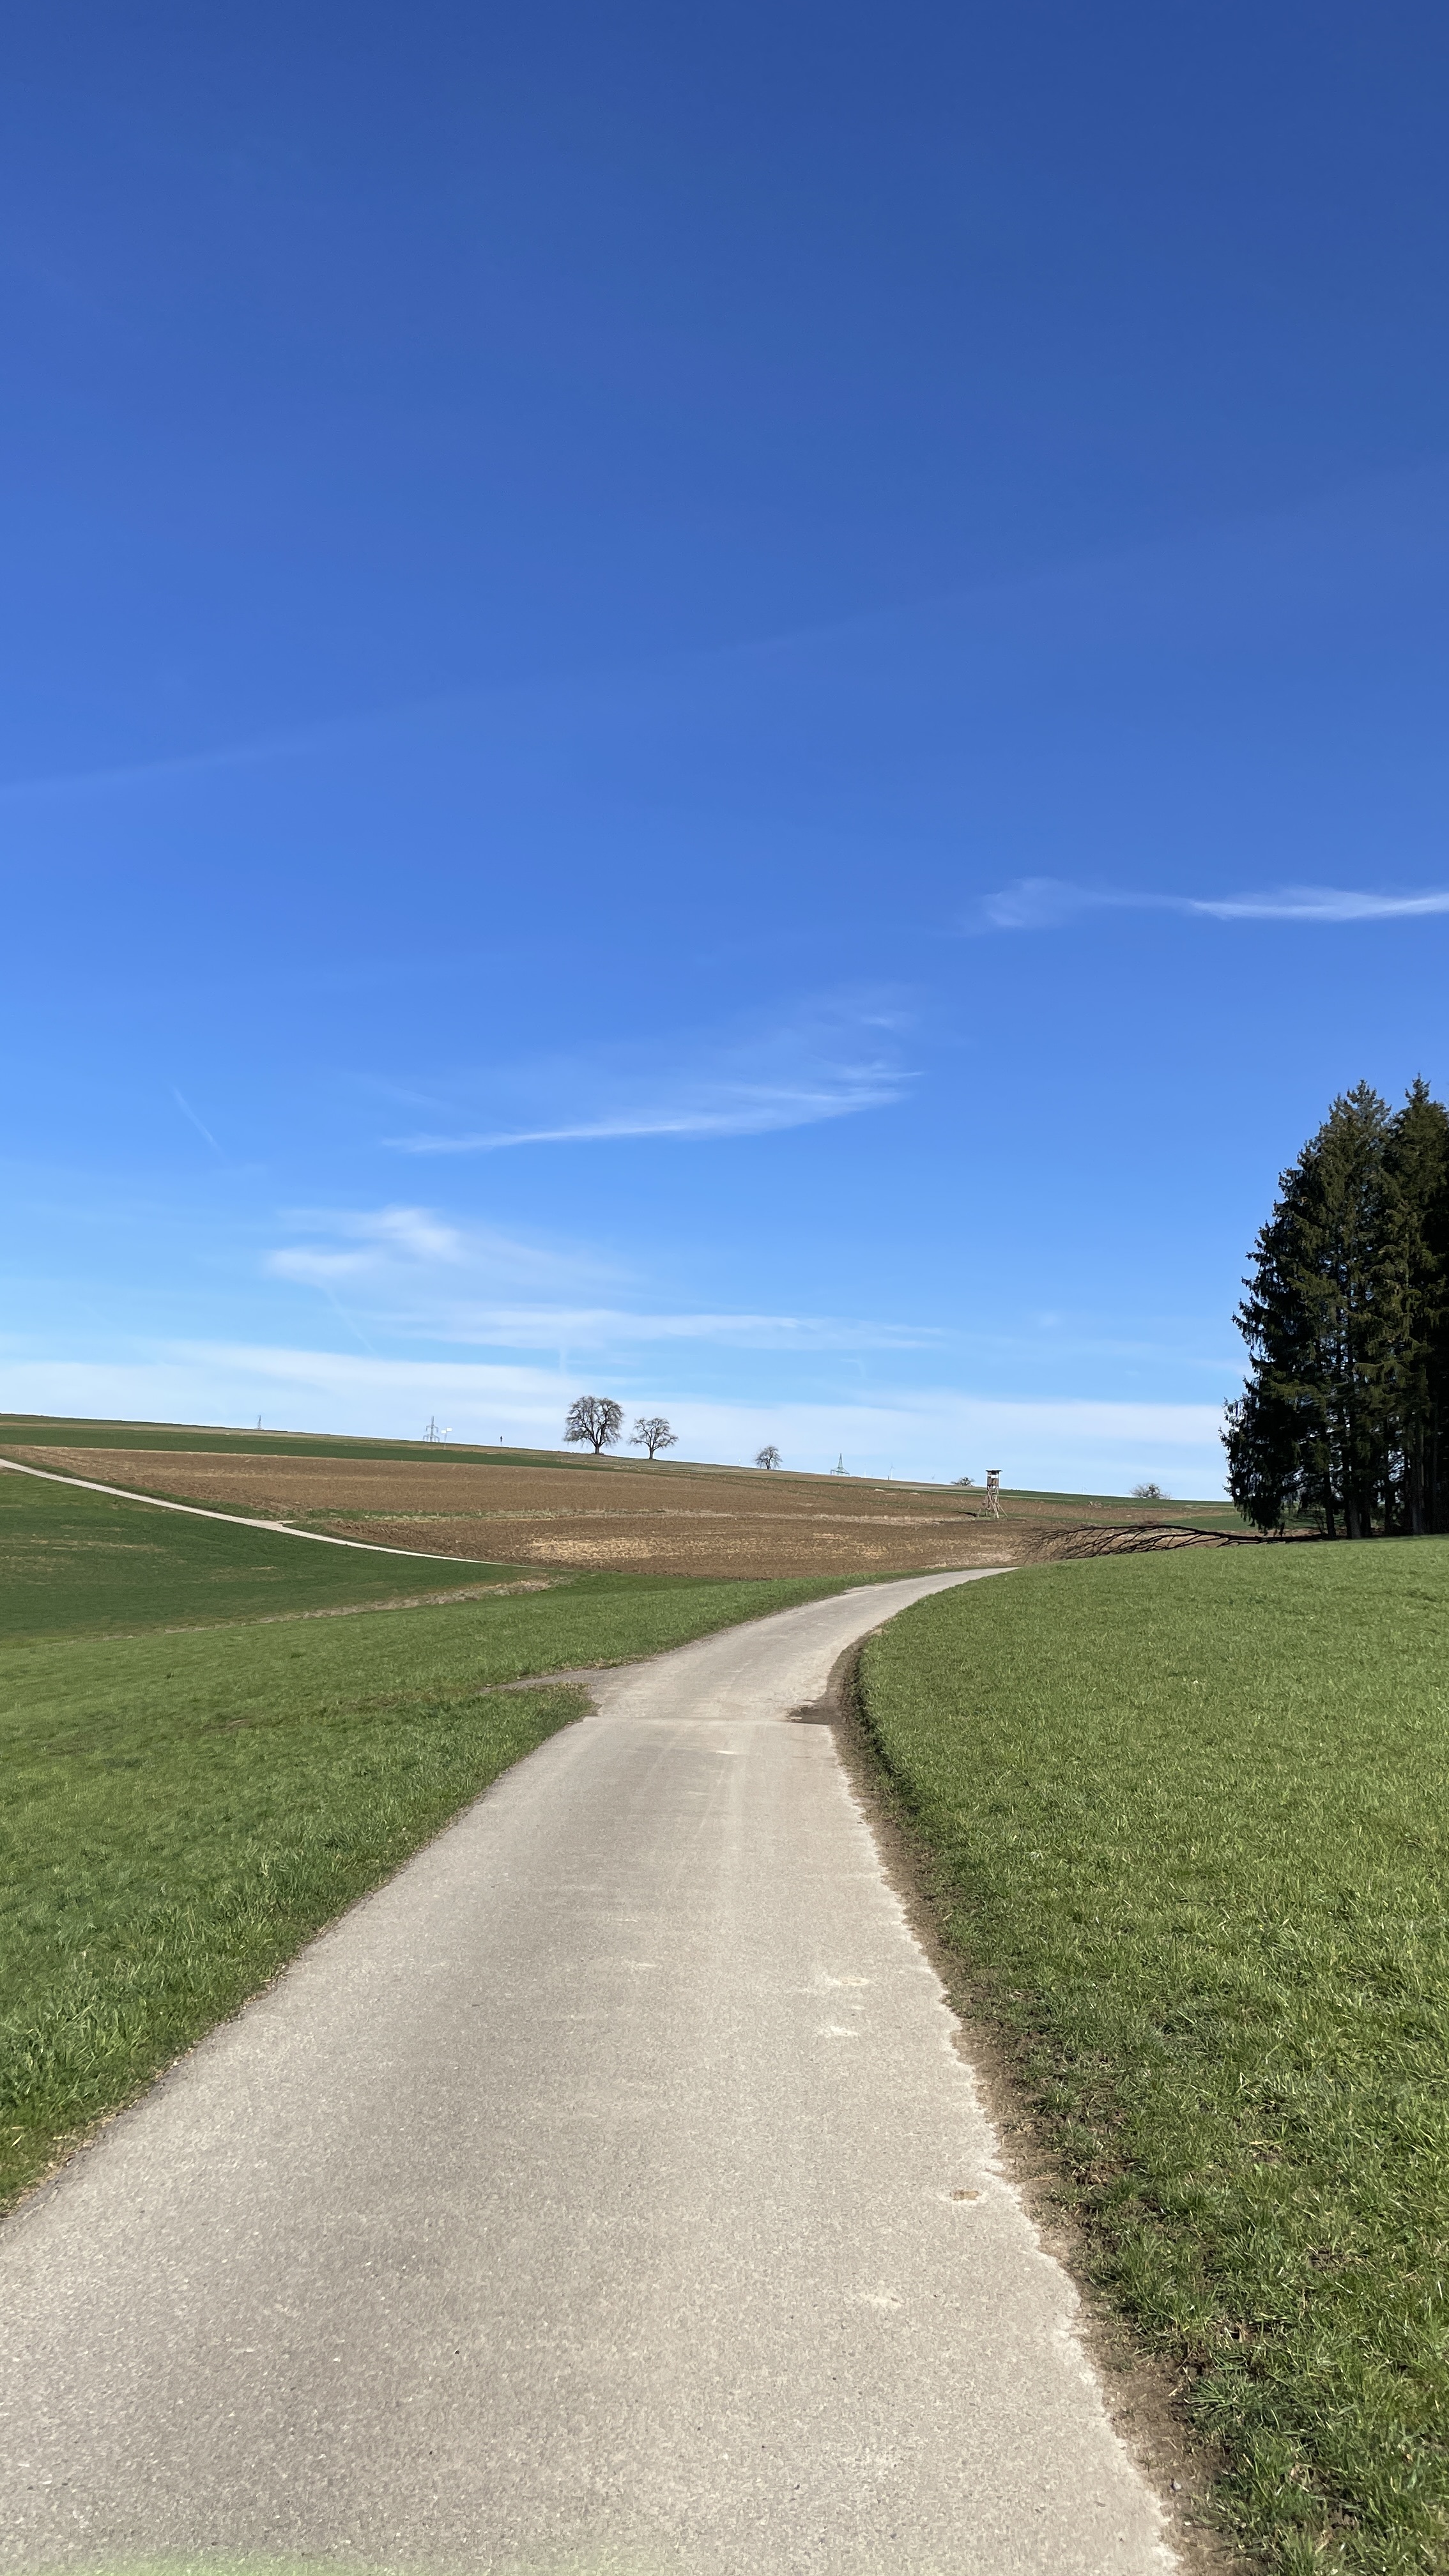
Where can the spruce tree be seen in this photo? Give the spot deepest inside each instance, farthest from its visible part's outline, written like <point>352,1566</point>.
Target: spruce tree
<point>1417,1285</point>
<point>1351,1303</point>
<point>1275,1431</point>
<point>1345,1415</point>
<point>1310,1432</point>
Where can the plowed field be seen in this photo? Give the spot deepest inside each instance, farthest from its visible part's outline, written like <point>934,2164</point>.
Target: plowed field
<point>668,1521</point>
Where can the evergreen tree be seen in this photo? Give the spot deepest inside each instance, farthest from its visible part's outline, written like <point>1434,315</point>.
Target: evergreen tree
<point>1417,1266</point>
<point>1263,1467</point>
<point>1314,1429</point>
<point>1349,1305</point>
<point>1345,1415</point>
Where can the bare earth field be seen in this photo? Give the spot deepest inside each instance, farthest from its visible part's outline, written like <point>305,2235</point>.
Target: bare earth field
<point>613,1513</point>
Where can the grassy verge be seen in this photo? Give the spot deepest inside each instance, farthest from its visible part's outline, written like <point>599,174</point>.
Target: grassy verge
<point>181,1811</point>
<point>1190,1820</point>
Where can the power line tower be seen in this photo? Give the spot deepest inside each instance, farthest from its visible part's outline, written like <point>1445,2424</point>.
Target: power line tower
<point>991,1503</point>
<point>839,1467</point>
<point>432,1432</point>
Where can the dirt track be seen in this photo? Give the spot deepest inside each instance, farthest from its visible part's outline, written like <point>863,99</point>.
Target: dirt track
<point>621,1513</point>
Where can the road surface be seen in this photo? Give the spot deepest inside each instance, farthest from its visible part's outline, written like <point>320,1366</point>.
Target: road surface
<point>604,2194</point>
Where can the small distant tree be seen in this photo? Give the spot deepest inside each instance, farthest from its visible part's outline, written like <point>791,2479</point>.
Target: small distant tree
<point>965,1480</point>
<point>769,1456</point>
<point>652,1432</point>
<point>1149,1494</point>
<point>596,1419</point>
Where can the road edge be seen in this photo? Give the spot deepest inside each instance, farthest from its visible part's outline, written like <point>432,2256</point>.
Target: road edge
<point>1142,2393</point>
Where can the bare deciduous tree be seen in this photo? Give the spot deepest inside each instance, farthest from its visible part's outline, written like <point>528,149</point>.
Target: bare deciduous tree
<point>769,1456</point>
<point>1149,1494</point>
<point>652,1432</point>
<point>595,1418</point>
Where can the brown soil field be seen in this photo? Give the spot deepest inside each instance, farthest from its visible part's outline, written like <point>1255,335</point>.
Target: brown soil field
<point>647,1520</point>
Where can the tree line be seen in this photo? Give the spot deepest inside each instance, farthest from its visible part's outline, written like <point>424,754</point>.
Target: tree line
<point>1344,1419</point>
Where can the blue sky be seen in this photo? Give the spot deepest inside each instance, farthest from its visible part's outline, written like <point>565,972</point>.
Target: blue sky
<point>737,706</point>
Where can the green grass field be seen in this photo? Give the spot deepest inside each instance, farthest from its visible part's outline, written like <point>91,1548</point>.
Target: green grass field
<point>182,1810</point>
<point>1189,1818</point>
<point>74,1564</point>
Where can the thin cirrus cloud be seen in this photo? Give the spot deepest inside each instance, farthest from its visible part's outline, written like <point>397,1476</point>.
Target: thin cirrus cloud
<point>406,1269</point>
<point>835,1062</point>
<point>362,1248</point>
<point>744,1112</point>
<point>604,1328</point>
<point>1047,903</point>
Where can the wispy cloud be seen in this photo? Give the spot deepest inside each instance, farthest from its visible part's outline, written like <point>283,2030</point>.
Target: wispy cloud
<point>1033,903</point>
<point>379,1245</point>
<point>1046,903</point>
<point>734,1110</point>
<point>941,1431</point>
<point>131,776</point>
<point>604,1328</point>
<point>408,1269</point>
<point>831,1061</point>
<point>1321,903</point>
<point>188,1112</point>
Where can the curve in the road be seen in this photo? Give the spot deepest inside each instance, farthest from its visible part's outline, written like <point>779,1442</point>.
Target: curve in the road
<point>606,2192</point>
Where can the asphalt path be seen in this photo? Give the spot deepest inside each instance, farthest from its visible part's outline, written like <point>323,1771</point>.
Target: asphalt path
<point>606,2193</point>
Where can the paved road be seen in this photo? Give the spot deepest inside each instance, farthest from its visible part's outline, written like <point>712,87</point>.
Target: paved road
<point>589,2198</point>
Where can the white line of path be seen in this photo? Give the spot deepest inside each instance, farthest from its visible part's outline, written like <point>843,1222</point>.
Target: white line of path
<point>199,1512</point>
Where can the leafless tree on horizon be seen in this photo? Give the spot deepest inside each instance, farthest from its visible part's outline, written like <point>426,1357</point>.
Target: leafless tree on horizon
<point>596,1419</point>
